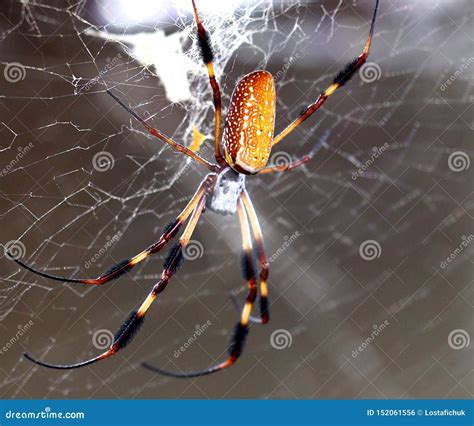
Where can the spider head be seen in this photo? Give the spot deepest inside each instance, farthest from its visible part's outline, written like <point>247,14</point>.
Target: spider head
<point>250,123</point>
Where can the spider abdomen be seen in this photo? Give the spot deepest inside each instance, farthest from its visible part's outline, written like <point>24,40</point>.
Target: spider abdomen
<point>250,123</point>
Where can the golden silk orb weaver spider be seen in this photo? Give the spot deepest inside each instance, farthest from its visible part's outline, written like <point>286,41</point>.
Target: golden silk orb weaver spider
<point>248,138</point>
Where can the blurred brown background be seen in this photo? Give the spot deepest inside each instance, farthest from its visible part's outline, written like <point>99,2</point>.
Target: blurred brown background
<point>413,204</point>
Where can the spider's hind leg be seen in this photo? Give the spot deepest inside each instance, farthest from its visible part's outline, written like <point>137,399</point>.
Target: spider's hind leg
<point>262,257</point>
<point>259,250</point>
<point>131,325</point>
<point>125,265</point>
<point>239,335</point>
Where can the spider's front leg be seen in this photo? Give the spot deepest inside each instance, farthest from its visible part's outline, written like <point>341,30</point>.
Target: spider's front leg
<point>339,80</point>
<point>208,58</point>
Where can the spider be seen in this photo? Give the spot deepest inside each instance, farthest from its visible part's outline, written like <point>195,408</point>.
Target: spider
<point>248,138</point>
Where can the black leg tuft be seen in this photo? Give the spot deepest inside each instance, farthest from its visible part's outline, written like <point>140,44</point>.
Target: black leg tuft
<point>128,329</point>
<point>119,268</point>
<point>167,229</point>
<point>238,340</point>
<point>248,266</point>
<point>264,308</point>
<point>346,73</point>
<point>205,46</point>
<point>174,259</point>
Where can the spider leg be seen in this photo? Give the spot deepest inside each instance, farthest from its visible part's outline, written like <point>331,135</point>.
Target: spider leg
<point>286,167</point>
<point>341,78</point>
<point>127,264</point>
<point>134,321</point>
<point>241,328</point>
<point>208,58</point>
<point>174,145</point>
<point>238,306</point>
<point>262,256</point>
<point>263,260</point>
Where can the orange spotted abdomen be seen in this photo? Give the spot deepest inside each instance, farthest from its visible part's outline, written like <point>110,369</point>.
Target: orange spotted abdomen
<point>250,123</point>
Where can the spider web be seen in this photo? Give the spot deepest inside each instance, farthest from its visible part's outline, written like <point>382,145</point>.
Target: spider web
<point>355,238</point>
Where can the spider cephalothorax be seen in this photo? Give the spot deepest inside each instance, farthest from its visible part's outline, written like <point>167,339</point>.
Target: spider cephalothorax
<point>248,140</point>
<point>226,192</point>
